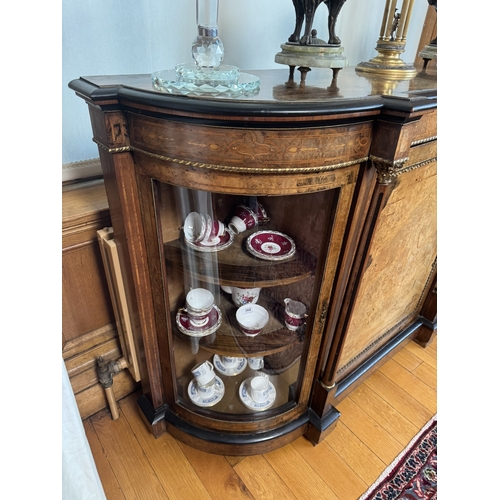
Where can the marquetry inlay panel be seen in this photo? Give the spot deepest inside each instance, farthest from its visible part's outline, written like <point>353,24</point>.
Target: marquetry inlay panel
<point>400,259</point>
<point>271,148</point>
<point>426,127</point>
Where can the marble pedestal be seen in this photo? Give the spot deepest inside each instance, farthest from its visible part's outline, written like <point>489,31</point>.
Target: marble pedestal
<point>305,57</point>
<point>428,54</point>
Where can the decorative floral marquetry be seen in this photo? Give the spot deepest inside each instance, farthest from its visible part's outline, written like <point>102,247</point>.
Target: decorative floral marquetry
<point>269,149</point>
<point>252,149</point>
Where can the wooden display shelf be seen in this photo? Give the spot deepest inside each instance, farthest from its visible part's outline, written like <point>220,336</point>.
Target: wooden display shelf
<point>229,340</point>
<point>237,267</point>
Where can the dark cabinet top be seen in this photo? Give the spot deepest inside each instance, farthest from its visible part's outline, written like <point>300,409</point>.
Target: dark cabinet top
<point>354,92</point>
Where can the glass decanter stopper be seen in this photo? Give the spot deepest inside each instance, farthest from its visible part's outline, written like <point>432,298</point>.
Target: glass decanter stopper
<point>207,48</point>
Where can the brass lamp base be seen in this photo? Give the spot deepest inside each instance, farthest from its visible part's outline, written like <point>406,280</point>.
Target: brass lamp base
<point>388,62</point>
<point>382,84</point>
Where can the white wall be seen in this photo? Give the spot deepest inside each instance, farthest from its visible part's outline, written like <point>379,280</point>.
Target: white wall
<point>142,36</point>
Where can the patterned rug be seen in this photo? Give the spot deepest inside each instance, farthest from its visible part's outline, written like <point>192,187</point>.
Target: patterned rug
<point>413,474</point>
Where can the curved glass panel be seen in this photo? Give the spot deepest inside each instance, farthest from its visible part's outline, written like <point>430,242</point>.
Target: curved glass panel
<point>241,282</point>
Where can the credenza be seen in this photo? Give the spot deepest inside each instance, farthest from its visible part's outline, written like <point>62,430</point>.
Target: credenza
<point>337,187</point>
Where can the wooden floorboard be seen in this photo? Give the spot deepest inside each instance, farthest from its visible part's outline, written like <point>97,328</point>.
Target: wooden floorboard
<point>366,428</point>
<point>341,479</point>
<point>377,421</point>
<point>298,475</point>
<point>262,480</point>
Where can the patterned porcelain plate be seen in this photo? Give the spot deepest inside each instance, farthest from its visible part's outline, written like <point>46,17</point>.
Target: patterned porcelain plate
<point>235,370</point>
<point>225,241</point>
<point>247,400</point>
<point>202,400</point>
<point>270,245</point>
<point>185,326</point>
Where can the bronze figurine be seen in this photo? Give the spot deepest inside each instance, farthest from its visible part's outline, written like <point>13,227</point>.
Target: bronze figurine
<point>306,9</point>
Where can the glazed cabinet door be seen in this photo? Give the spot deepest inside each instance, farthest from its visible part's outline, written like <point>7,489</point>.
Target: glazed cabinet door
<point>241,285</point>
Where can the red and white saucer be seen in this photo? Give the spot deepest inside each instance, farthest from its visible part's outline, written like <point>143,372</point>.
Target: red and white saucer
<point>270,245</point>
<point>185,326</point>
<point>215,245</point>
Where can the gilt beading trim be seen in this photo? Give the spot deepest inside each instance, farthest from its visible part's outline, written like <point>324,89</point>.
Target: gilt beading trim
<point>387,171</point>
<point>414,166</point>
<point>422,141</point>
<point>123,149</point>
<point>370,347</point>
<point>261,170</point>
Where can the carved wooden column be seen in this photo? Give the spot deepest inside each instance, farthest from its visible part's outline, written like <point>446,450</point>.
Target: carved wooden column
<point>110,133</point>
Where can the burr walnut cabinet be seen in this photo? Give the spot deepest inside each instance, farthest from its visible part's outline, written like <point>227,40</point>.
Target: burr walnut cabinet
<point>339,183</point>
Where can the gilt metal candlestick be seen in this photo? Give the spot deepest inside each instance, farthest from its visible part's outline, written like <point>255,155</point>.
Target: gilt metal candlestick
<point>391,43</point>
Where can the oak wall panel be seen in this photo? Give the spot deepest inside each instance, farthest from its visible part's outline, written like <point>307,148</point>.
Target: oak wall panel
<point>88,323</point>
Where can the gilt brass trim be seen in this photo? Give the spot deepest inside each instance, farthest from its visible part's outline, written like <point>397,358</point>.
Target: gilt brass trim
<point>123,149</point>
<point>322,317</point>
<point>260,170</point>
<point>422,141</point>
<point>416,165</point>
<point>387,169</point>
<point>327,387</point>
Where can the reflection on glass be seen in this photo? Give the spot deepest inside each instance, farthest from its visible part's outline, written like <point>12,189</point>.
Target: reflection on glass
<point>239,292</point>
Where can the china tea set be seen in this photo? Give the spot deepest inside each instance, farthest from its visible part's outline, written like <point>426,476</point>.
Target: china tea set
<point>206,234</point>
<point>200,316</point>
<point>207,388</point>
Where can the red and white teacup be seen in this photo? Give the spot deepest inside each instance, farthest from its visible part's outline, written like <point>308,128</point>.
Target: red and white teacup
<point>243,219</point>
<point>214,230</point>
<point>195,227</point>
<point>218,228</point>
<point>252,318</point>
<point>199,304</point>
